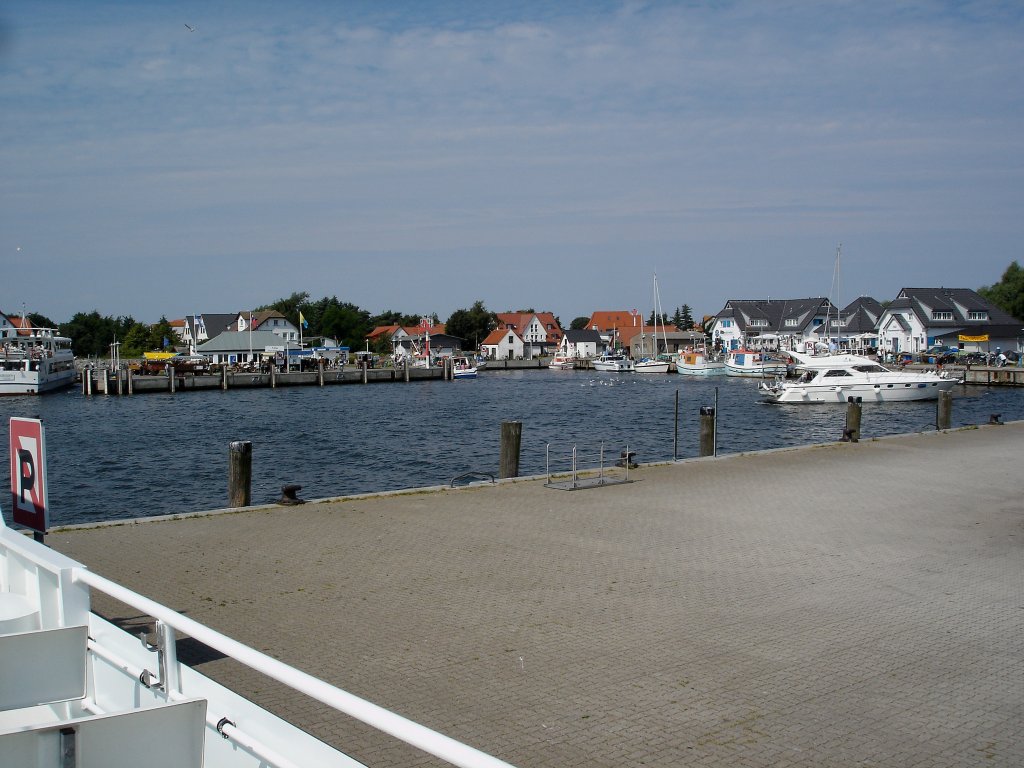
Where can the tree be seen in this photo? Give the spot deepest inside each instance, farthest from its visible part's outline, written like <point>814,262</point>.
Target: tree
<point>472,325</point>
<point>91,335</point>
<point>40,321</point>
<point>685,321</point>
<point>290,307</point>
<point>1008,293</point>
<point>578,323</point>
<point>347,323</point>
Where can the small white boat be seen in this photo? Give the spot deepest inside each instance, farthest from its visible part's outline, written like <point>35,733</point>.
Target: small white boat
<point>651,365</point>
<point>753,363</point>
<point>462,368</point>
<point>34,361</point>
<point>699,363</point>
<point>562,362</point>
<point>614,362</point>
<point>836,378</point>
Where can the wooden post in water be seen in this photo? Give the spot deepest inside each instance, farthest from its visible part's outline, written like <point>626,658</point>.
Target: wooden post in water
<point>511,439</point>
<point>944,411</point>
<point>366,368</point>
<point>224,376</point>
<point>320,371</point>
<point>852,432</point>
<point>675,432</point>
<point>170,375</point>
<point>87,380</point>
<point>707,430</point>
<point>131,383</point>
<point>405,365</point>
<point>273,375</point>
<point>239,473</point>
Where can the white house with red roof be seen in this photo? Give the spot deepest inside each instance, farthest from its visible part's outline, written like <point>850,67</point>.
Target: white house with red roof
<point>503,344</point>
<point>539,331</point>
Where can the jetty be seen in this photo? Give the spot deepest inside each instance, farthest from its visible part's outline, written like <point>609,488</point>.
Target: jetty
<point>841,604</point>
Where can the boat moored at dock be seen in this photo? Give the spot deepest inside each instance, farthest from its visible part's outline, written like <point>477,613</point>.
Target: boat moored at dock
<point>699,363</point>
<point>837,378</point>
<point>613,362</point>
<point>34,361</point>
<point>753,363</point>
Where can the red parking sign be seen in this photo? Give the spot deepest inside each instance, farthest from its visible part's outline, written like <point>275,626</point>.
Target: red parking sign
<point>28,474</point>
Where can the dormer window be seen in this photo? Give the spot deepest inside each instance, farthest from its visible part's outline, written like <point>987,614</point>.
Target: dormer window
<point>792,322</point>
<point>937,315</point>
<point>977,315</point>
<point>758,322</point>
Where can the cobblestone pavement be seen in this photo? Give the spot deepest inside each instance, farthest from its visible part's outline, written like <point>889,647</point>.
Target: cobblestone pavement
<point>838,605</point>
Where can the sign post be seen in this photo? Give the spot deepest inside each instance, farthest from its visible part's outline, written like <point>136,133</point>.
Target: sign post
<point>29,489</point>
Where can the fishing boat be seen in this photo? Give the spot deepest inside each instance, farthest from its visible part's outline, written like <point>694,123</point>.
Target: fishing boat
<point>78,690</point>
<point>615,362</point>
<point>837,378</point>
<point>34,361</point>
<point>753,363</point>
<point>699,363</point>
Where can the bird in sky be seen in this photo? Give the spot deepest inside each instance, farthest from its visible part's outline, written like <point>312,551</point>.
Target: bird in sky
<point>190,28</point>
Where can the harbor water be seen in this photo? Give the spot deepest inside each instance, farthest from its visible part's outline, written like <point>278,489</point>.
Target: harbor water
<point>111,457</point>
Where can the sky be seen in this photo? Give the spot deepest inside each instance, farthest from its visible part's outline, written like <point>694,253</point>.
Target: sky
<point>421,156</point>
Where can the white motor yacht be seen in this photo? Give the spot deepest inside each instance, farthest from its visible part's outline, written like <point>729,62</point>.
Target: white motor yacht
<point>836,378</point>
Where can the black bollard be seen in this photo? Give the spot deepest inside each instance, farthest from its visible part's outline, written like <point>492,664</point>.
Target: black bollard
<point>511,439</point>
<point>239,473</point>
<point>707,430</point>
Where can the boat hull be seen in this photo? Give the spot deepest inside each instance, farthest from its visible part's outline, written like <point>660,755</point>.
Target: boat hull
<point>32,383</point>
<point>651,366</point>
<point>701,369</point>
<point>765,371</point>
<point>879,392</point>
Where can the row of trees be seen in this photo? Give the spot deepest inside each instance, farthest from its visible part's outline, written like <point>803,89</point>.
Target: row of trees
<point>92,334</point>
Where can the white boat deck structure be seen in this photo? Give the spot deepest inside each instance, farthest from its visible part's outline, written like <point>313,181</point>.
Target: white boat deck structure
<point>76,691</point>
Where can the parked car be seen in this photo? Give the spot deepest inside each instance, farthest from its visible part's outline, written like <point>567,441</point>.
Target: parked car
<point>940,355</point>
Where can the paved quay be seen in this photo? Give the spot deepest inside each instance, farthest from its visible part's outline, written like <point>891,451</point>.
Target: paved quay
<point>837,605</point>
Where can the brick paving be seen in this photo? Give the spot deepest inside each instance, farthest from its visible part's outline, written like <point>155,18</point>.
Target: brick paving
<point>847,604</point>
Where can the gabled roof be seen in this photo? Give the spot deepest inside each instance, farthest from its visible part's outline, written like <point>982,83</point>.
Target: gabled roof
<point>774,313</point>
<point>607,320</point>
<point>383,330</point>
<point>583,336</point>
<point>236,341</point>
<point>957,301</point>
<point>496,336</point>
<point>861,315</point>
<point>259,318</point>
<point>215,324</point>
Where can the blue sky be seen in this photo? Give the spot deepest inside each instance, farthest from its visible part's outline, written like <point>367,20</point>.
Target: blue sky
<point>420,156</point>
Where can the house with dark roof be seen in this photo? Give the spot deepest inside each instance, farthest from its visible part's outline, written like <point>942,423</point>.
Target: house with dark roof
<point>584,343</point>
<point>787,323</point>
<point>203,327</point>
<point>854,328</point>
<point>919,318</point>
<point>267,320</point>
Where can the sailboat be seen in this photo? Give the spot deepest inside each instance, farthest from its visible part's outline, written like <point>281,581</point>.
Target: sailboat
<point>654,364</point>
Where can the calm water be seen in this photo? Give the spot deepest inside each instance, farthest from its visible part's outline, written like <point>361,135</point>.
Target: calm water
<point>153,454</point>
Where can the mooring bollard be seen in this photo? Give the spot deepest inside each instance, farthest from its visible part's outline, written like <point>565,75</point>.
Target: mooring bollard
<point>239,473</point>
<point>944,410</point>
<point>852,432</point>
<point>511,439</point>
<point>707,430</point>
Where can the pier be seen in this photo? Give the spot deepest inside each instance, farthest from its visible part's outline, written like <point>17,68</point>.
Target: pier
<point>843,604</point>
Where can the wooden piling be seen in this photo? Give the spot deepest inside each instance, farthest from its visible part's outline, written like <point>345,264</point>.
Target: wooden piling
<point>366,368</point>
<point>944,411</point>
<point>853,413</point>
<point>707,430</point>
<point>511,440</point>
<point>239,473</point>
<point>273,376</point>
<point>224,377</point>
<point>171,380</point>
<point>320,371</point>
<point>131,383</point>
<point>405,366</point>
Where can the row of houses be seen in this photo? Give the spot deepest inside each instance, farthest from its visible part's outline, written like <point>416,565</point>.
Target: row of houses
<point>917,320</point>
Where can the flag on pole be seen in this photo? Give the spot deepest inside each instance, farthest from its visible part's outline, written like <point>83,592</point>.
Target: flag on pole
<point>167,342</point>
<point>302,321</point>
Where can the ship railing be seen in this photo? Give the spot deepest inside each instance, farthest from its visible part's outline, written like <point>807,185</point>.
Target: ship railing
<point>59,588</point>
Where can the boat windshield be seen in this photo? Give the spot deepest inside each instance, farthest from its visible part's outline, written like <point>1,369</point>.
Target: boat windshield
<point>870,368</point>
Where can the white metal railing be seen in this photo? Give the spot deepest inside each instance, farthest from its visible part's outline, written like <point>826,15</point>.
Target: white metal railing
<point>430,741</point>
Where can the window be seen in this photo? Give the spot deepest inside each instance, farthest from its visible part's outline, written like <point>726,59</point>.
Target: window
<point>977,315</point>
<point>758,322</point>
<point>792,322</point>
<point>510,338</point>
<point>838,372</point>
<point>817,321</point>
<point>727,323</point>
<point>937,315</point>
